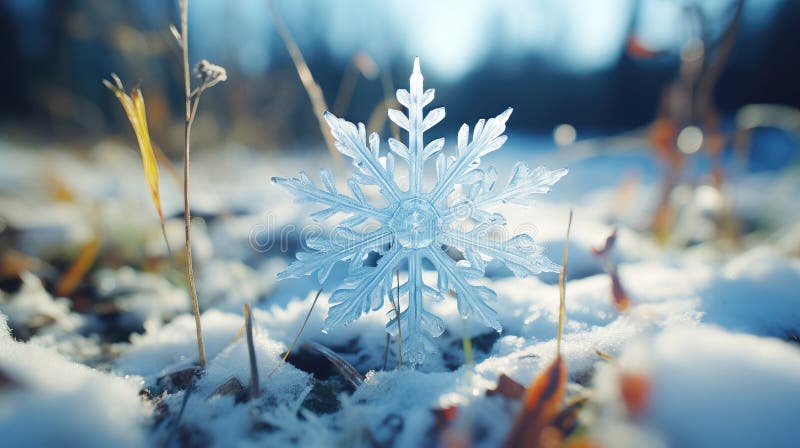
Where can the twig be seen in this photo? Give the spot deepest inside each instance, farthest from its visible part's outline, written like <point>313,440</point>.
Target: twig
<point>302,327</point>
<point>345,368</point>
<point>191,108</point>
<point>399,329</point>
<point>466,343</point>
<point>346,89</point>
<point>386,351</point>
<point>562,286</point>
<point>313,89</point>
<point>178,419</point>
<point>251,351</point>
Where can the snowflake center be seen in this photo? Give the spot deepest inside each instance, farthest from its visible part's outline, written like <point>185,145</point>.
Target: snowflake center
<point>414,223</point>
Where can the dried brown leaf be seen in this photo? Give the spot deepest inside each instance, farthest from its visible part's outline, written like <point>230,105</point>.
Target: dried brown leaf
<point>635,389</point>
<point>78,269</point>
<point>508,388</point>
<point>621,299</point>
<point>541,405</point>
<point>611,241</point>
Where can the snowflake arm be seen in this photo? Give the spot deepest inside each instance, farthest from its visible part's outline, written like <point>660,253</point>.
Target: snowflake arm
<point>416,124</point>
<point>418,325</point>
<point>347,245</point>
<point>352,142</point>
<point>304,190</point>
<point>473,301</point>
<point>522,187</point>
<point>519,253</point>
<point>486,138</point>
<point>364,290</point>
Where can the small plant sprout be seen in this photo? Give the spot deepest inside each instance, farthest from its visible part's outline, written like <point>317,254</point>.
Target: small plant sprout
<point>418,222</point>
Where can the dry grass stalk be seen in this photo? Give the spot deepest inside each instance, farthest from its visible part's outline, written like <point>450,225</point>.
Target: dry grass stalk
<point>201,348</point>
<point>251,351</point>
<point>396,306</point>
<point>302,327</point>
<point>313,89</point>
<point>562,286</point>
<point>345,368</point>
<point>209,75</point>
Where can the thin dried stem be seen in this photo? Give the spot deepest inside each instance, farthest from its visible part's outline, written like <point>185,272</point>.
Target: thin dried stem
<point>347,87</point>
<point>466,344</point>
<point>562,287</point>
<point>313,89</point>
<point>191,108</point>
<point>251,351</point>
<point>386,351</point>
<point>302,327</point>
<point>399,329</point>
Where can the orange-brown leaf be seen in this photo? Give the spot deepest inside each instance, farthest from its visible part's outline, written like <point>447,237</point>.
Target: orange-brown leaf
<point>507,387</point>
<point>608,247</point>
<point>450,436</point>
<point>663,133</point>
<point>540,406</point>
<point>636,49</point>
<point>582,442</point>
<point>635,389</point>
<point>77,271</point>
<point>13,263</point>
<point>621,299</point>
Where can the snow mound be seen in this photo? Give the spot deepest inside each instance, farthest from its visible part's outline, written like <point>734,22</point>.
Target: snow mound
<point>706,387</point>
<point>173,346</point>
<point>51,401</point>
<point>33,308</point>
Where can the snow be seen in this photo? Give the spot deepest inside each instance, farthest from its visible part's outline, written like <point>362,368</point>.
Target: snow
<point>54,401</point>
<point>667,294</point>
<point>143,298</point>
<point>33,307</point>
<point>713,327</point>
<point>708,387</point>
<point>172,347</point>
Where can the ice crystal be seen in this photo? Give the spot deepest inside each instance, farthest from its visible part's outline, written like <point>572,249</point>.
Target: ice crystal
<point>418,223</point>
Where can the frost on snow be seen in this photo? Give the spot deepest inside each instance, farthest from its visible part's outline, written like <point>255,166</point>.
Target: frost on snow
<point>418,223</point>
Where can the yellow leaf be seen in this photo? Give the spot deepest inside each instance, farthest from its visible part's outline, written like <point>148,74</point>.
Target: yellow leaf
<point>146,148</point>
<point>133,105</point>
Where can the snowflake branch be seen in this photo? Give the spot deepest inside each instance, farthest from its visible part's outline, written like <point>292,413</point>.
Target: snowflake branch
<point>486,138</point>
<point>303,188</point>
<point>521,189</point>
<point>416,123</point>
<point>519,254</point>
<point>417,324</point>
<point>365,290</point>
<point>472,300</point>
<point>352,142</point>
<point>351,245</point>
<point>522,186</point>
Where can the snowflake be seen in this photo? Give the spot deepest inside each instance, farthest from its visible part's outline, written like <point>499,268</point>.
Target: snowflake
<point>418,223</point>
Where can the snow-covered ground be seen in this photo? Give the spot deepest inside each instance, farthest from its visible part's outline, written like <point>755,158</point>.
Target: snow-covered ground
<point>711,332</point>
